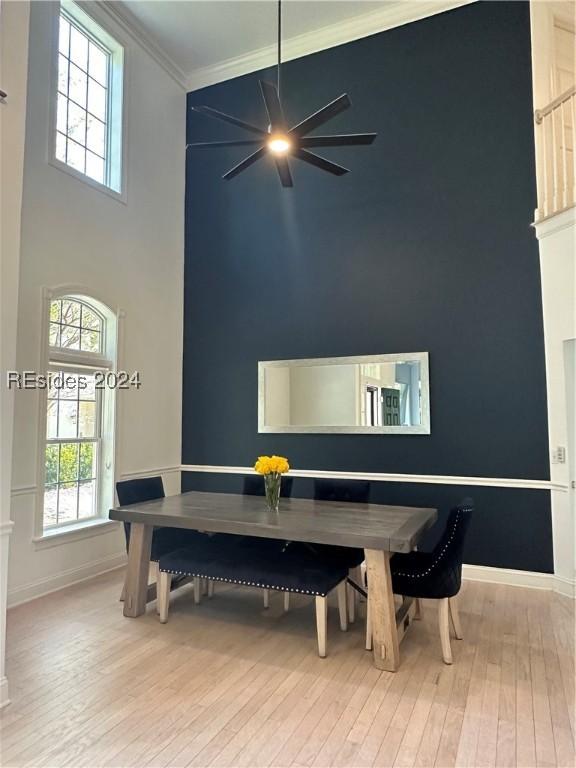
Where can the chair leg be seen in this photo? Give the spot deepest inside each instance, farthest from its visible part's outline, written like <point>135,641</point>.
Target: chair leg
<point>163,592</point>
<point>342,607</point>
<point>210,588</point>
<point>266,593</point>
<point>368,626</point>
<point>197,589</point>
<point>321,624</point>
<point>153,576</point>
<point>444,624</point>
<point>205,586</point>
<point>286,601</point>
<point>417,609</point>
<point>455,617</point>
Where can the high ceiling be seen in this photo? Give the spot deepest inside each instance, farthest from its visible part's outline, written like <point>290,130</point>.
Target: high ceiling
<point>196,34</point>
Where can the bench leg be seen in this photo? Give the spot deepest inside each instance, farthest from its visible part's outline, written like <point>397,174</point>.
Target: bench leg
<point>321,624</point>
<point>163,595</point>
<point>341,592</point>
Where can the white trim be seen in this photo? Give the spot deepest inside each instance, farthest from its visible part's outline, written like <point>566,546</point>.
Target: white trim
<point>514,578</point>
<point>4,695</point>
<point>6,528</point>
<point>346,31</point>
<point>130,24</point>
<point>555,223</point>
<point>391,477</point>
<point>64,579</point>
<point>149,472</point>
<point>78,532</point>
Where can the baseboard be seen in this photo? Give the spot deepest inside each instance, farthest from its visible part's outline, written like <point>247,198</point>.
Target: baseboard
<point>513,578</point>
<point>64,579</point>
<point>4,696</point>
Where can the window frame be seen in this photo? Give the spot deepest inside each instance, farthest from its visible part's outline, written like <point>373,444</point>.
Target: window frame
<point>75,361</point>
<point>92,22</point>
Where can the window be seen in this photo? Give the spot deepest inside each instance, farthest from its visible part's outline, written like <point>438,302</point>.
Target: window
<point>88,135</point>
<point>78,452</point>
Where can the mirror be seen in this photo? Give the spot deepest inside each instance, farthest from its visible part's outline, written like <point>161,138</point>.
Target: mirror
<point>375,394</point>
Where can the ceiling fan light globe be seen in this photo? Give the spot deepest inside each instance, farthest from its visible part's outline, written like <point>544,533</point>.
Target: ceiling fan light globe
<point>279,145</point>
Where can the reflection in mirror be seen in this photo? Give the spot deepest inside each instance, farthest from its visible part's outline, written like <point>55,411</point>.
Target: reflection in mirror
<point>373,394</point>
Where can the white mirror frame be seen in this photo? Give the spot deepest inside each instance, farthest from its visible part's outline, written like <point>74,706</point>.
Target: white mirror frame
<point>421,429</point>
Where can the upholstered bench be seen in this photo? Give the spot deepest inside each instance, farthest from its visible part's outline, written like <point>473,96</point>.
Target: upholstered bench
<point>260,563</point>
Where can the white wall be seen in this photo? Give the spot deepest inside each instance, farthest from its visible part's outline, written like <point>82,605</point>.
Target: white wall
<point>557,237</point>
<point>13,72</point>
<point>131,257</point>
<point>324,394</point>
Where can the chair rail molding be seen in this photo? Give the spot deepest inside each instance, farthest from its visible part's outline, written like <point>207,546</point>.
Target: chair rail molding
<point>393,477</point>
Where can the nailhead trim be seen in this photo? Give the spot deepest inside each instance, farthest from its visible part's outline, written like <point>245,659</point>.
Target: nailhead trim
<point>244,583</point>
<point>440,556</point>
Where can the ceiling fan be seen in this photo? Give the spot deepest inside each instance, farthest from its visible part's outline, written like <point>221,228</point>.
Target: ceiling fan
<point>281,141</point>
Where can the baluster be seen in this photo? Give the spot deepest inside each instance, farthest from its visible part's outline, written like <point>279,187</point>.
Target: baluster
<point>555,165</point>
<point>545,161</point>
<point>564,151</point>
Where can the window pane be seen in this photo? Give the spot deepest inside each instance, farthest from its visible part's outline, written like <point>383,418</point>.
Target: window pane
<point>52,419</point>
<point>90,319</point>
<point>89,392</point>
<point>76,123</point>
<point>69,389</point>
<point>78,48</point>
<point>98,64</point>
<point>64,36</point>
<point>95,167</point>
<point>63,75</point>
<point>70,337</point>
<point>67,418</point>
<point>90,341</point>
<point>87,418</point>
<point>96,136</point>
<point>76,156</point>
<point>77,86</point>
<point>68,471</point>
<point>86,499</point>
<point>55,311</point>
<point>70,312</point>
<point>60,147</point>
<point>87,461</point>
<point>67,502</point>
<point>54,335</point>
<point>50,505</point>
<point>61,113</point>
<point>51,464</point>
<point>96,99</point>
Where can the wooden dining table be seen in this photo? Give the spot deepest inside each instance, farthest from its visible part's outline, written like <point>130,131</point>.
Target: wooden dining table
<point>380,530</point>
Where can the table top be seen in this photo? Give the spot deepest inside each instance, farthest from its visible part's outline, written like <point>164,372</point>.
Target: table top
<point>349,524</point>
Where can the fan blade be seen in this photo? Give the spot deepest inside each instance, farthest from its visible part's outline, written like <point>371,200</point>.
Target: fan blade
<point>322,116</point>
<point>343,140</point>
<point>320,162</point>
<point>209,112</point>
<point>273,106</point>
<point>245,143</point>
<point>244,164</point>
<point>284,171</point>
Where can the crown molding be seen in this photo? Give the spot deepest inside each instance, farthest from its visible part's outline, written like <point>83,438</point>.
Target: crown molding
<point>388,17</point>
<point>130,24</point>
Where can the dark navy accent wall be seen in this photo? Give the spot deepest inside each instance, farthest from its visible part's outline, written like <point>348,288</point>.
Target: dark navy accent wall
<point>425,246</point>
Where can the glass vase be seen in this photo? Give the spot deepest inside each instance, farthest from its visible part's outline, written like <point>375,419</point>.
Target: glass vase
<point>272,490</point>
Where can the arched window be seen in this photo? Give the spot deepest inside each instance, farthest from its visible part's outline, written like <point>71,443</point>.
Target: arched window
<point>78,456</point>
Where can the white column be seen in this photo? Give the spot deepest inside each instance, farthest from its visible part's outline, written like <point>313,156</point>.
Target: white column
<point>14,19</point>
<point>557,237</point>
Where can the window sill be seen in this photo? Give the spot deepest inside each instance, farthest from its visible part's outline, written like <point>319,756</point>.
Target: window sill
<point>74,533</point>
<point>118,196</point>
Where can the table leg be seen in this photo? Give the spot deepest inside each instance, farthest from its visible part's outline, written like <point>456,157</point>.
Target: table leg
<point>382,610</point>
<point>136,584</point>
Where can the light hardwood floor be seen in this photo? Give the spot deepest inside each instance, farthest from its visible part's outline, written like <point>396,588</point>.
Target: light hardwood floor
<point>228,683</point>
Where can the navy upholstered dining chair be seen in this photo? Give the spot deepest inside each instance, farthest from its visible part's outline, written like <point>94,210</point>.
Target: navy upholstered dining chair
<point>435,575</point>
<point>257,562</point>
<point>164,540</point>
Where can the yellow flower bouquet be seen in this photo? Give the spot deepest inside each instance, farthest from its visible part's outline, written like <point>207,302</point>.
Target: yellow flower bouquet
<point>272,468</point>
